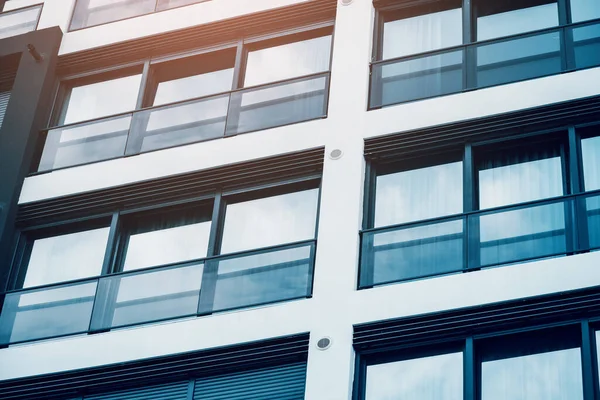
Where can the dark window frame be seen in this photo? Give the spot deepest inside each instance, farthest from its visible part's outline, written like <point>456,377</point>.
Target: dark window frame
<point>468,48</point>
<point>580,331</point>
<point>149,69</point>
<point>214,203</point>
<point>568,137</point>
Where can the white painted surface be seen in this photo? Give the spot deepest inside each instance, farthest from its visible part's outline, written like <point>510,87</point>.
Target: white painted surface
<point>165,21</point>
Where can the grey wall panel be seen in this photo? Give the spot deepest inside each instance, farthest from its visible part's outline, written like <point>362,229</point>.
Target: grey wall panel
<point>273,383</point>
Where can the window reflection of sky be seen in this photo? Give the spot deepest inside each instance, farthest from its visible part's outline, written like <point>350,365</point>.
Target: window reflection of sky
<point>103,98</point>
<point>552,375</point>
<point>66,257</point>
<point>419,194</point>
<point>270,221</point>
<point>428,378</point>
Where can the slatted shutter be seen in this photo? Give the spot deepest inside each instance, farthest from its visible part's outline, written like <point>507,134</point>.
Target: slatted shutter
<point>173,391</point>
<point>273,383</point>
<point>4,97</point>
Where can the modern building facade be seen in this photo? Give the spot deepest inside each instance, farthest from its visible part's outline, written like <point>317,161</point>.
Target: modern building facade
<point>300,199</point>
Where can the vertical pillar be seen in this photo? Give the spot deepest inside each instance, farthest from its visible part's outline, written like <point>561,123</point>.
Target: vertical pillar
<point>25,116</point>
<point>329,374</point>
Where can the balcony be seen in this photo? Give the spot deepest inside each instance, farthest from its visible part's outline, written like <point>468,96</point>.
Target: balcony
<point>193,288</point>
<point>205,118</point>
<point>17,22</point>
<point>472,241</point>
<point>484,64</point>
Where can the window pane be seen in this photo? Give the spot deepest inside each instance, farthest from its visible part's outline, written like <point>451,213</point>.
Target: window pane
<point>429,378</point>
<point>419,194</point>
<point>178,124</point>
<point>412,252</point>
<point>592,212</point>
<point>148,296</point>
<point>582,10</point>
<point>287,61</point>
<point>95,12</point>
<point>46,313</point>
<point>166,239</point>
<point>518,59</point>
<point>16,22</point>
<point>418,78</point>
<point>263,278</point>
<point>66,257</point>
<point>586,43</point>
<point>85,143</point>
<point>552,375</point>
<point>521,234</point>
<point>190,87</point>
<point>516,176</point>
<point>270,221</point>
<point>422,33</point>
<point>276,105</point>
<point>503,18</point>
<point>102,98</point>
<point>590,150</point>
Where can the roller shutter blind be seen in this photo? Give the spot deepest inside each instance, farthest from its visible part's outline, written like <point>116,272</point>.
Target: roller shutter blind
<point>274,383</point>
<point>173,391</point>
<point>4,97</point>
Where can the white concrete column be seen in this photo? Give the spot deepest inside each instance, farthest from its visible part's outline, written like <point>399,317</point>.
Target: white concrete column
<point>57,13</point>
<point>329,375</point>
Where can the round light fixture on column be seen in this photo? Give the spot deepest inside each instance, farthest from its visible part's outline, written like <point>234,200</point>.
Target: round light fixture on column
<point>336,154</point>
<point>324,343</point>
<point>346,2</point>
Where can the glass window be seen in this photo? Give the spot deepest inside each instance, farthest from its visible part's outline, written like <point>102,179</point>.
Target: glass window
<point>99,99</point>
<point>191,77</point>
<point>418,194</point>
<point>287,61</point>
<point>19,21</point>
<point>590,150</point>
<point>417,34</point>
<point>66,257</point>
<point>96,12</point>
<point>166,4</point>
<point>582,10</point>
<point>437,377</point>
<point>509,176</point>
<point>270,221</point>
<point>542,366</point>
<point>153,240</point>
<point>503,18</point>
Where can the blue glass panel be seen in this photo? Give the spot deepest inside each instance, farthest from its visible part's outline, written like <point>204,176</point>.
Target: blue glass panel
<point>43,313</point>
<point>586,43</point>
<point>518,59</point>
<point>519,234</point>
<point>412,252</point>
<point>418,78</point>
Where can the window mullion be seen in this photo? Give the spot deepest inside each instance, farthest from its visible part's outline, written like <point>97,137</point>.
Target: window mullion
<point>587,362</point>
<point>112,245</point>
<point>470,370</point>
<point>210,272</point>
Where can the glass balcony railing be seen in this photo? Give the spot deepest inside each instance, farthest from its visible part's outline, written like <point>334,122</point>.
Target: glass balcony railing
<point>97,12</point>
<point>190,121</point>
<point>484,64</point>
<point>192,288</point>
<point>22,20</point>
<point>481,239</point>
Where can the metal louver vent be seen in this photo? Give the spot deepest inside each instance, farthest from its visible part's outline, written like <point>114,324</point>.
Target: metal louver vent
<point>173,391</point>
<point>4,97</point>
<point>280,382</point>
